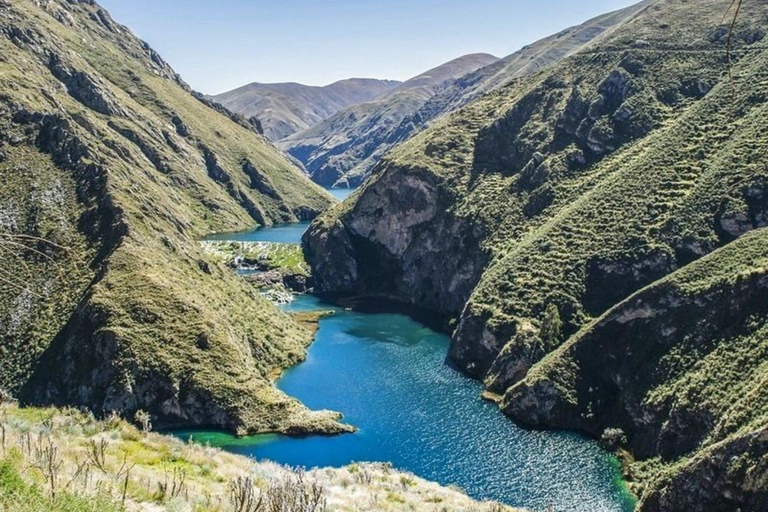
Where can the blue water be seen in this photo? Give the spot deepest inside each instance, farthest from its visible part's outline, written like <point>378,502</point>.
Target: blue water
<point>387,375</point>
<point>248,271</point>
<point>341,193</point>
<point>285,233</point>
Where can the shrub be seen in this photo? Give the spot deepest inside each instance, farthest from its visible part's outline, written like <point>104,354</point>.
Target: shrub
<point>144,420</point>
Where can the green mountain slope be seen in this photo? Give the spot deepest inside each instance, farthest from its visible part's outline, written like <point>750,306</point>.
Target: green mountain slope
<point>111,169</point>
<point>346,148</point>
<point>528,60</point>
<point>680,366</point>
<point>284,109</point>
<point>342,149</point>
<point>560,195</point>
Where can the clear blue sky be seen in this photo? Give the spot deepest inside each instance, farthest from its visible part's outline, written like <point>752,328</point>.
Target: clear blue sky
<point>223,44</point>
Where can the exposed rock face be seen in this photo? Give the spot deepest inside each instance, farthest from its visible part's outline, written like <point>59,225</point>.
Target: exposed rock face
<point>652,367</point>
<point>398,257</point>
<point>731,475</point>
<point>619,377</point>
<point>85,88</point>
<point>624,164</point>
<point>111,170</point>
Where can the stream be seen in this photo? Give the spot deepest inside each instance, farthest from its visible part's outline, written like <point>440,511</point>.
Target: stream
<point>388,375</point>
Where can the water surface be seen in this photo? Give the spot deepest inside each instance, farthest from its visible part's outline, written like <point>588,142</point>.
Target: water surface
<point>341,193</point>
<point>284,233</point>
<point>387,375</point>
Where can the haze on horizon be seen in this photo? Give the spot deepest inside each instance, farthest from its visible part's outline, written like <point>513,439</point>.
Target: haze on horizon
<point>223,45</point>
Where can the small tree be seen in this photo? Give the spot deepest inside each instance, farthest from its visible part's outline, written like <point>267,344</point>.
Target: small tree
<point>613,438</point>
<point>144,420</point>
<point>551,326</point>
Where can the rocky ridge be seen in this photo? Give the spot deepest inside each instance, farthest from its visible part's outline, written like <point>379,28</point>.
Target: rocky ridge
<point>284,109</point>
<point>340,150</point>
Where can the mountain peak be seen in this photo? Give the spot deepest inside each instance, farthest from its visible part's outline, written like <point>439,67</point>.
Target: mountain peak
<point>452,69</point>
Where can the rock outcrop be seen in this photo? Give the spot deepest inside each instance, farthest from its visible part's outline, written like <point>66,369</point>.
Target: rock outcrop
<point>362,252</point>
<point>678,367</point>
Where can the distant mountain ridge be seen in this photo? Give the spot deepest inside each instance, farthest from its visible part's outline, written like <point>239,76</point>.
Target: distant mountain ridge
<point>341,149</point>
<point>286,108</point>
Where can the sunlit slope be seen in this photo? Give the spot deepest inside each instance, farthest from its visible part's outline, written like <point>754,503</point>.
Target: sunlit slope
<point>342,149</point>
<point>111,169</point>
<point>287,108</point>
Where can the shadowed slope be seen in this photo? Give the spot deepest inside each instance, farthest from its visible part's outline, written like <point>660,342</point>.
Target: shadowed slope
<point>569,191</point>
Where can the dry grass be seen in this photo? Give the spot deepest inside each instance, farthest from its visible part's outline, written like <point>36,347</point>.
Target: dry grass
<point>51,459</point>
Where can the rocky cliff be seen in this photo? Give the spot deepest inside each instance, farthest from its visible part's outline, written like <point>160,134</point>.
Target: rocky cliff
<point>679,367</point>
<point>537,208</point>
<point>111,169</point>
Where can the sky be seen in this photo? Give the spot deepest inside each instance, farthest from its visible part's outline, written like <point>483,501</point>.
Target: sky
<point>220,45</point>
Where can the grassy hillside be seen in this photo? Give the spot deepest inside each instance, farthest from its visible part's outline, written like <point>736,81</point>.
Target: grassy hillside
<point>346,148</point>
<point>538,207</point>
<point>112,168</point>
<point>63,460</point>
<point>284,109</point>
<point>342,149</point>
<point>679,366</point>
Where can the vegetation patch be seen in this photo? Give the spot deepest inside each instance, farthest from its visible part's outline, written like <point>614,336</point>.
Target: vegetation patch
<point>64,460</point>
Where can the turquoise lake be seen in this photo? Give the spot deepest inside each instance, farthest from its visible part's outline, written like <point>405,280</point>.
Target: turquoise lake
<point>285,233</point>
<point>341,193</point>
<point>388,375</point>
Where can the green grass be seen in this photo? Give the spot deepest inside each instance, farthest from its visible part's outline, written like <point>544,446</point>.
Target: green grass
<point>105,465</point>
<point>124,300</point>
<point>268,255</point>
<point>16,494</point>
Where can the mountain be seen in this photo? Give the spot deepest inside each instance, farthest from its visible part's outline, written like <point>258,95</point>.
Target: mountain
<point>343,147</point>
<point>594,238</point>
<point>284,109</point>
<point>528,60</point>
<point>112,169</point>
